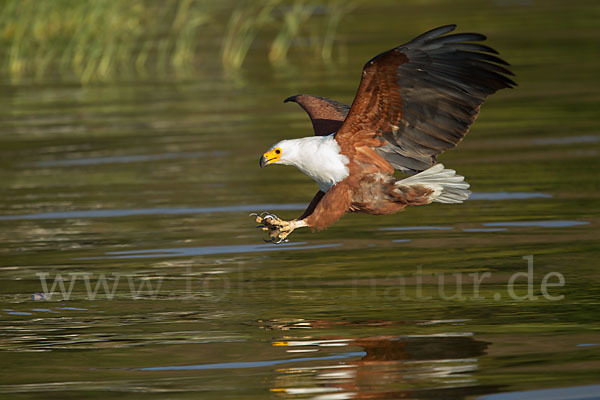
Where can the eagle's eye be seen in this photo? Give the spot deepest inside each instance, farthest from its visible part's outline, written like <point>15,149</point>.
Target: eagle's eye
<point>277,151</point>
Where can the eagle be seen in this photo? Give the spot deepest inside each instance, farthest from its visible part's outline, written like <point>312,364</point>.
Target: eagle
<point>413,102</point>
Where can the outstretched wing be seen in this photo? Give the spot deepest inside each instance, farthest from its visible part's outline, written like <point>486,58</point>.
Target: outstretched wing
<point>422,97</point>
<point>326,115</point>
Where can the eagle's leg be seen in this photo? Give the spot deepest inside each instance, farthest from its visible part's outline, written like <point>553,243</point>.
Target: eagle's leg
<point>324,210</point>
<point>313,204</point>
<point>278,229</point>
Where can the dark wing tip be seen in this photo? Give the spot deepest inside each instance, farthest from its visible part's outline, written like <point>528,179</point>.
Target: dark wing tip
<point>442,84</point>
<point>292,98</point>
<point>512,84</point>
<point>441,44</point>
<point>440,30</point>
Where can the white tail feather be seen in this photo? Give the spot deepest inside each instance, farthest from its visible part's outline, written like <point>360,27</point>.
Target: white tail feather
<point>447,186</point>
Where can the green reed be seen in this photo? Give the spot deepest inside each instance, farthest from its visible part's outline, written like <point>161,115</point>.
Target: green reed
<point>96,40</point>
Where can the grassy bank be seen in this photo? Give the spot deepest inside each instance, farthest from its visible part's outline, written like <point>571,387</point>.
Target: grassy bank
<point>95,40</point>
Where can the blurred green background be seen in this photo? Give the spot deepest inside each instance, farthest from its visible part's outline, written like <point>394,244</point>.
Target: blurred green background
<point>101,40</point>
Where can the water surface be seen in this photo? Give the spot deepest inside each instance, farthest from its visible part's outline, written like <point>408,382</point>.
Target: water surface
<point>130,267</point>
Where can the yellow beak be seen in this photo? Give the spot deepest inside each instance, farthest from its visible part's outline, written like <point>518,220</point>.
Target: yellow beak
<point>269,158</point>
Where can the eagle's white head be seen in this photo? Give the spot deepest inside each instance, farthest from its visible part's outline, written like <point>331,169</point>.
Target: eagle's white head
<point>316,156</point>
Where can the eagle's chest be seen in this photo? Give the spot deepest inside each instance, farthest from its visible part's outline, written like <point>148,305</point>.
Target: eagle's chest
<point>324,163</point>
<point>326,171</point>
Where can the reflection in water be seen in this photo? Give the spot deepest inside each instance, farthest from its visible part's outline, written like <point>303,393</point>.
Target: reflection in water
<point>390,367</point>
<point>439,366</point>
<point>408,366</point>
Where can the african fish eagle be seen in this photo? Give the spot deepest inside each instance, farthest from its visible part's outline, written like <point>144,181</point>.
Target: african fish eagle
<point>413,102</point>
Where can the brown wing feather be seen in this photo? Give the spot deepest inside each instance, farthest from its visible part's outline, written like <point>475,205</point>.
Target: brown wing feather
<point>326,115</point>
<point>422,97</point>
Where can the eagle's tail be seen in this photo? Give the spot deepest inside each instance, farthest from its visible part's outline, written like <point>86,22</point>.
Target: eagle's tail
<point>447,186</point>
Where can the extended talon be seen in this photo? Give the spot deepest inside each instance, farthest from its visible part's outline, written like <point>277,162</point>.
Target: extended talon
<point>266,214</point>
<point>281,240</point>
<point>266,218</point>
<point>277,228</point>
<point>271,219</point>
<point>278,237</point>
<point>257,218</point>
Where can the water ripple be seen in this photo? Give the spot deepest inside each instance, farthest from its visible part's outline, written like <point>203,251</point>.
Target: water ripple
<point>542,224</point>
<point>509,196</point>
<point>127,159</point>
<point>225,209</point>
<point>152,211</point>
<point>417,228</point>
<point>484,229</point>
<point>255,364</point>
<point>568,140</point>
<point>209,250</point>
<point>575,392</point>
